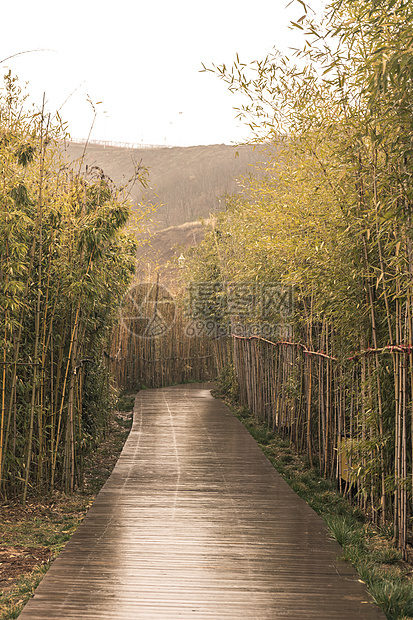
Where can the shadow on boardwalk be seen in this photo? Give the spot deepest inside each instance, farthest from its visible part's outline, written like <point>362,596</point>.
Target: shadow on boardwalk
<point>194,522</point>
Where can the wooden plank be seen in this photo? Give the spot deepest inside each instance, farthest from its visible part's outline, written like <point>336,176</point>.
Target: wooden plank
<point>195,522</point>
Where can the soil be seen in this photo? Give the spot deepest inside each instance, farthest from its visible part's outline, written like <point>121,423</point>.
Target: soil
<point>16,561</point>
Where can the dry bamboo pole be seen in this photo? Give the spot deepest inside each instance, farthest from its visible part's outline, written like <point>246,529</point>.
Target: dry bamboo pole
<point>370,430</point>
<point>304,414</point>
<point>409,361</point>
<point>411,396</point>
<point>363,420</point>
<point>310,380</point>
<point>398,454</point>
<point>285,392</point>
<point>48,344</point>
<point>322,439</point>
<point>288,419</point>
<point>251,377</point>
<point>320,417</point>
<point>330,408</point>
<point>398,416</point>
<point>396,373</point>
<point>271,388</point>
<point>323,397</point>
<point>265,379</point>
<point>58,377</point>
<point>340,421</point>
<point>357,424</point>
<point>309,397</point>
<point>283,379</point>
<point>51,434</point>
<point>44,347</point>
<point>401,440</point>
<point>390,330</point>
<point>259,379</point>
<point>296,394</point>
<point>329,419</point>
<point>376,355</point>
<point>68,365</point>
<point>244,349</point>
<point>79,404</point>
<point>4,373</point>
<point>403,464</point>
<point>42,378</point>
<point>243,359</point>
<point>289,400</point>
<point>38,305</point>
<point>300,414</point>
<point>282,382</point>
<point>246,370</point>
<point>266,385</point>
<point>3,394</point>
<point>341,425</point>
<point>353,403</point>
<point>278,369</point>
<point>336,390</point>
<point>278,408</point>
<point>286,399</point>
<point>34,385</point>
<point>71,416</point>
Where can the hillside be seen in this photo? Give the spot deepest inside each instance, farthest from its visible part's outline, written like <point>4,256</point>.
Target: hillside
<point>164,247</point>
<point>187,182</point>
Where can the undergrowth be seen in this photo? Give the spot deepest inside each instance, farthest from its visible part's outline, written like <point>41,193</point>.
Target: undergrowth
<point>370,549</point>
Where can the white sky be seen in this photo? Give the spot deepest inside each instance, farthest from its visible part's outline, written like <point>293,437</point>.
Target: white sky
<point>142,60</point>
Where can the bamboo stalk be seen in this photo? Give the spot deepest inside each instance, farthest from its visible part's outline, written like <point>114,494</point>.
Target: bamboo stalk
<point>309,397</point>
<point>3,395</point>
<point>68,365</point>
<point>38,308</point>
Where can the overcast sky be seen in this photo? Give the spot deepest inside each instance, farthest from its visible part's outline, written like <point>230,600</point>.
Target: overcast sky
<point>142,60</point>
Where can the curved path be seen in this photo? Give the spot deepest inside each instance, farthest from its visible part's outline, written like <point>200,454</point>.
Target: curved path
<point>194,522</point>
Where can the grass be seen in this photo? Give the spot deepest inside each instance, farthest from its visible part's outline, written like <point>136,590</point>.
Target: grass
<point>125,402</point>
<point>46,524</point>
<point>371,551</point>
<point>13,602</point>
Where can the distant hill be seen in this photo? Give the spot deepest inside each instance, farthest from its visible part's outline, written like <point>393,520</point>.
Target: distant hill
<point>163,249</point>
<point>187,181</point>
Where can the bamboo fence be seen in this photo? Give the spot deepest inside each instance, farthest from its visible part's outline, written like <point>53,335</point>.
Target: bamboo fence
<point>152,346</point>
<point>329,410</point>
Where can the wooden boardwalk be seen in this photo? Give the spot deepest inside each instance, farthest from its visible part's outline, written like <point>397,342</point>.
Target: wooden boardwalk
<point>194,522</point>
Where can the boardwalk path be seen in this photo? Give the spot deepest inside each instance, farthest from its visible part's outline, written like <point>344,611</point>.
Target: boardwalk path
<point>195,523</point>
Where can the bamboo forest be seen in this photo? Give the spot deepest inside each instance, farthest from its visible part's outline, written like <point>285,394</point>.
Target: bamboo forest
<point>66,260</point>
<point>323,222</point>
